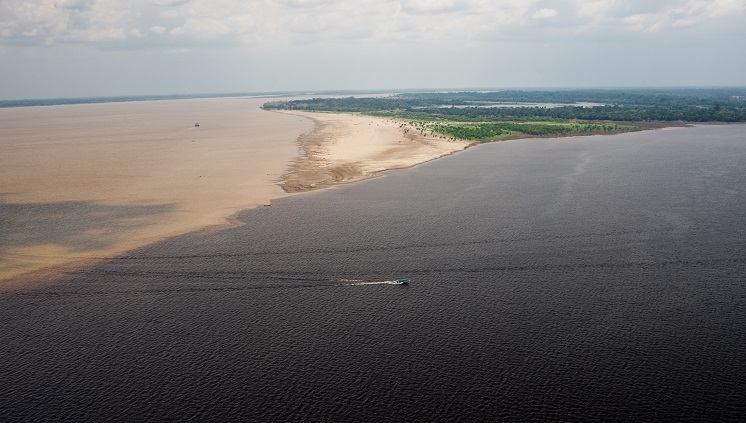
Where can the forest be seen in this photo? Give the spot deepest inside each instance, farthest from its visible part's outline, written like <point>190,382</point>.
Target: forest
<point>690,105</point>
<point>511,113</point>
<point>504,130</point>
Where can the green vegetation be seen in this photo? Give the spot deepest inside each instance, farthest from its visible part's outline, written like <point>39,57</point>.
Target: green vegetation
<point>490,131</point>
<point>515,113</point>
<point>495,131</point>
<point>662,97</point>
<point>599,113</point>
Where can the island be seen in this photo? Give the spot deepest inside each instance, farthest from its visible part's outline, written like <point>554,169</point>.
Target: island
<point>357,137</point>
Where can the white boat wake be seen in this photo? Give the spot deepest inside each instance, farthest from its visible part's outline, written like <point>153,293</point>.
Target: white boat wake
<point>353,282</point>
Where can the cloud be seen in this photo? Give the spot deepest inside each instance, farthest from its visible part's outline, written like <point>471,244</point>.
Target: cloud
<point>544,13</point>
<point>170,2</point>
<point>646,16</point>
<point>417,7</point>
<point>152,23</point>
<point>305,4</point>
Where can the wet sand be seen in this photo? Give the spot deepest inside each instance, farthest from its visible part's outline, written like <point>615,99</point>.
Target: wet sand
<point>345,148</point>
<point>81,183</point>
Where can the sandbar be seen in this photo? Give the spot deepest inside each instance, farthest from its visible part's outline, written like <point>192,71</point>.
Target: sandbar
<point>345,148</point>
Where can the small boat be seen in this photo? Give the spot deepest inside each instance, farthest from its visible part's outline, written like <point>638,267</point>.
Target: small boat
<point>401,281</point>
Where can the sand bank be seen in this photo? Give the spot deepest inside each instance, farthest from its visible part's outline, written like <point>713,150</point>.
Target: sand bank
<point>346,147</point>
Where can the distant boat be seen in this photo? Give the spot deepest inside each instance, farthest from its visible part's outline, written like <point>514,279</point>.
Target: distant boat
<point>401,281</point>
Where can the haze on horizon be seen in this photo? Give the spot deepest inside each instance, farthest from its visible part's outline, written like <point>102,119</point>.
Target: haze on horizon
<point>78,48</point>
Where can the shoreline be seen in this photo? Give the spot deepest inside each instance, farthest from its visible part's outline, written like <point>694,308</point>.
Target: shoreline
<point>317,168</point>
<point>340,148</point>
<point>344,148</point>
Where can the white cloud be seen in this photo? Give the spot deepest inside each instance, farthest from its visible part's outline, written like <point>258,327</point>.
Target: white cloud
<point>647,16</point>
<point>183,22</point>
<point>544,13</point>
<point>435,6</point>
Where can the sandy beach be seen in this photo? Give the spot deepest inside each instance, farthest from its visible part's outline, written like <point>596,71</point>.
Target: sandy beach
<point>81,183</point>
<point>345,148</point>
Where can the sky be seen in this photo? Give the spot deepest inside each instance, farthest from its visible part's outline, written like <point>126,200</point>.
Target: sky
<point>80,48</point>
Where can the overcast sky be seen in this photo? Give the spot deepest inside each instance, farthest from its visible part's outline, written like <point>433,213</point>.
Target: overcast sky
<point>75,48</point>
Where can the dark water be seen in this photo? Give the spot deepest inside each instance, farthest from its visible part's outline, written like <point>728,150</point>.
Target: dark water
<point>589,279</point>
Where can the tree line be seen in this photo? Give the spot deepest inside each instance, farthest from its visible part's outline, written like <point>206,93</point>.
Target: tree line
<point>692,105</point>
